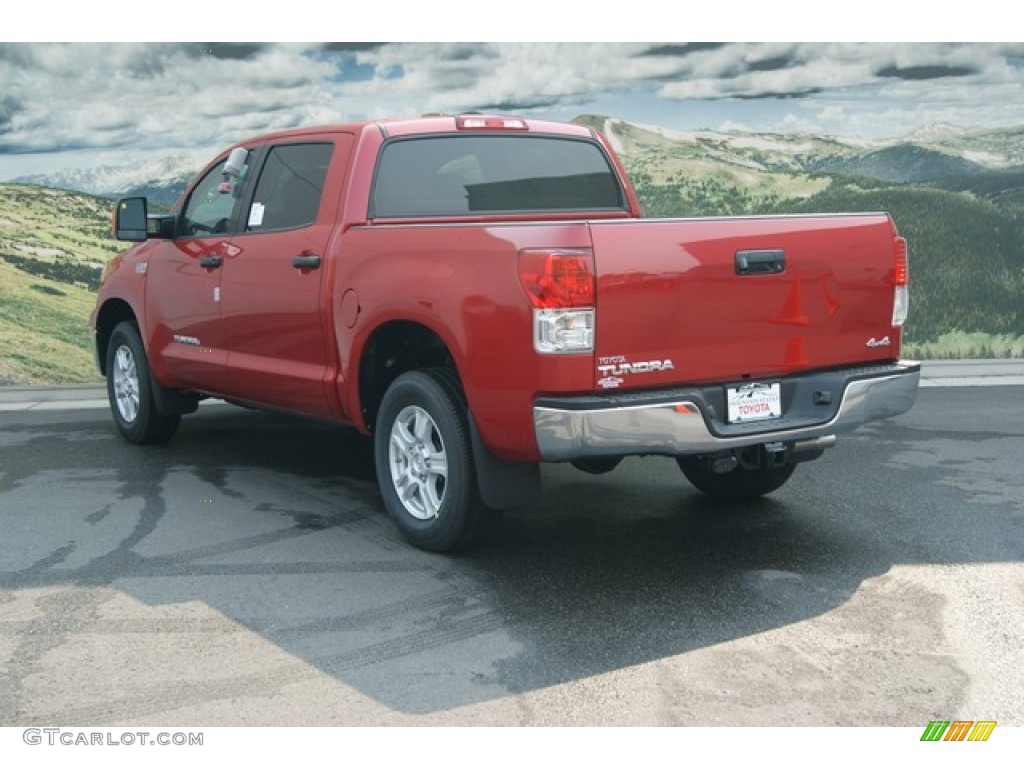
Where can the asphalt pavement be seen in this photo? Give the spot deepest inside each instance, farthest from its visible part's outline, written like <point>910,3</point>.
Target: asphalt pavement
<point>246,574</point>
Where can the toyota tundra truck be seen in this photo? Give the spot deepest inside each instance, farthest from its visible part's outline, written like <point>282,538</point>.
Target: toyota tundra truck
<point>480,294</point>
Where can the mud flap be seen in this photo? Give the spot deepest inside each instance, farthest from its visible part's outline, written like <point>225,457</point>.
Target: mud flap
<point>503,484</point>
<point>171,402</point>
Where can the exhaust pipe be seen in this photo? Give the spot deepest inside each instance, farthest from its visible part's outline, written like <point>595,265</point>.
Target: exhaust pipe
<point>808,450</point>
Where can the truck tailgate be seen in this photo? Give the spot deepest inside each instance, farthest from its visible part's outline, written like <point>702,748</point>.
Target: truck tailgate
<point>716,300</point>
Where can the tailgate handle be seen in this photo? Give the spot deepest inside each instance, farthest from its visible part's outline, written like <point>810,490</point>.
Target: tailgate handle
<point>763,262</point>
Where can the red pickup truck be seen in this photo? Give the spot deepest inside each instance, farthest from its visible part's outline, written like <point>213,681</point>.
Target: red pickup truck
<point>479,294</point>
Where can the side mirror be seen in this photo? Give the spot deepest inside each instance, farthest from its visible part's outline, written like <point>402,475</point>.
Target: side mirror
<point>236,162</point>
<point>130,219</point>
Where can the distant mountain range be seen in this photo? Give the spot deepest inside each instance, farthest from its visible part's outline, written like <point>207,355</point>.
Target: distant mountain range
<point>161,178</point>
<point>933,152</point>
<point>928,153</point>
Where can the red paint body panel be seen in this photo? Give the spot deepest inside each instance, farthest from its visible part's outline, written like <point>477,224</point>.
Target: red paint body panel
<point>667,291</point>
<point>461,282</point>
<point>180,302</point>
<point>275,324</point>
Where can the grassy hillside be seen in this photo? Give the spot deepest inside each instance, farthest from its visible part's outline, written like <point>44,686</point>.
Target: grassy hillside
<point>44,333</point>
<point>966,260</point>
<point>55,224</point>
<point>901,163</point>
<point>711,174</point>
<point>53,245</point>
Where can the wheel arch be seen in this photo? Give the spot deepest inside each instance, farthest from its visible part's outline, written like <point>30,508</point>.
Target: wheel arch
<point>391,349</point>
<point>168,401</point>
<point>113,312</point>
<point>402,345</point>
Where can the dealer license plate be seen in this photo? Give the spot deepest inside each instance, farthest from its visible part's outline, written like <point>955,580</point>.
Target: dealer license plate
<point>754,402</point>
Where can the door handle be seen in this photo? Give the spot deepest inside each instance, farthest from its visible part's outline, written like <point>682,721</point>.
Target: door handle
<point>210,262</point>
<point>767,262</point>
<point>306,261</point>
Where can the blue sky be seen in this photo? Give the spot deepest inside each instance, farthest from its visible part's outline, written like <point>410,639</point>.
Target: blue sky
<point>82,104</point>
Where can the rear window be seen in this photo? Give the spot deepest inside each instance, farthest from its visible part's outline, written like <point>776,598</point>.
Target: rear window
<point>452,175</point>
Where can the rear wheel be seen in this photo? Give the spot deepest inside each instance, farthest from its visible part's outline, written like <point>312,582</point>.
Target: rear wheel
<point>129,390</point>
<point>739,483</point>
<point>424,462</point>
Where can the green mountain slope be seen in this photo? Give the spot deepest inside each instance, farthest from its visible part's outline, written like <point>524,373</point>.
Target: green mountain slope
<point>53,245</point>
<point>966,261</point>
<point>902,163</point>
<point>44,332</point>
<point>708,174</point>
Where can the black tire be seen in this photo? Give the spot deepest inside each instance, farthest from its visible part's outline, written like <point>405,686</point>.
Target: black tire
<point>130,390</point>
<point>738,485</point>
<point>424,463</point>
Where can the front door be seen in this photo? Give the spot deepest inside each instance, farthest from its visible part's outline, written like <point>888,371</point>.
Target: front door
<point>183,306</point>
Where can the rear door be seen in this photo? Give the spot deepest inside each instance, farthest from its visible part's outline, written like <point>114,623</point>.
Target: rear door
<point>717,300</point>
<point>273,286</point>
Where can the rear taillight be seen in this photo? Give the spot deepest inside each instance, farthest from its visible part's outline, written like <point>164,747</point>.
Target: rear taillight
<point>900,279</point>
<point>900,273</point>
<point>557,278</point>
<point>559,283</point>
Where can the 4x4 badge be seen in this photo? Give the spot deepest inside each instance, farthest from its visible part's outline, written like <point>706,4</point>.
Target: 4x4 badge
<point>882,342</point>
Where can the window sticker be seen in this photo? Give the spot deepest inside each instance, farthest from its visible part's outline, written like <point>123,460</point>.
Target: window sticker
<point>256,214</point>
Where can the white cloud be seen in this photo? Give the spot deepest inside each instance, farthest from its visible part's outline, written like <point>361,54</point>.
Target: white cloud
<point>117,94</point>
<point>172,96</point>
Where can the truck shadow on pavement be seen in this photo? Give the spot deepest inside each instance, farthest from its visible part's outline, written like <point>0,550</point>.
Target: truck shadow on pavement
<point>252,557</point>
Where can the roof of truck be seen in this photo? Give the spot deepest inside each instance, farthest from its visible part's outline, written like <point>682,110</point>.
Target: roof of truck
<point>438,124</point>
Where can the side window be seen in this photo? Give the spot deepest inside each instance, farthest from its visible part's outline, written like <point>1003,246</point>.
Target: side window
<point>212,203</point>
<point>290,186</point>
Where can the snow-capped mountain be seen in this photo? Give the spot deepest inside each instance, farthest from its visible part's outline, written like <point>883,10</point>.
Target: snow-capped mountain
<point>159,178</point>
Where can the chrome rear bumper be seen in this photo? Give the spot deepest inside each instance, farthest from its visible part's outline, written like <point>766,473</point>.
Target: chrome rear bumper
<point>682,422</point>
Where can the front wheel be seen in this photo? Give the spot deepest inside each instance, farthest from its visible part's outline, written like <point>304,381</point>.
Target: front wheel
<point>424,462</point>
<point>130,392</point>
<point>739,484</point>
